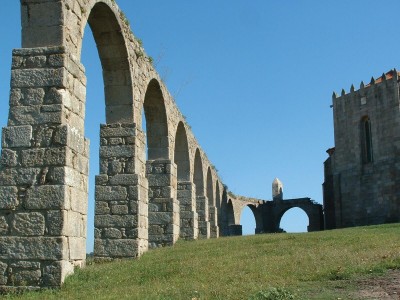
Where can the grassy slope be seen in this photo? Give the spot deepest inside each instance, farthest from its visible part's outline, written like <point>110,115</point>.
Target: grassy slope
<point>309,265</point>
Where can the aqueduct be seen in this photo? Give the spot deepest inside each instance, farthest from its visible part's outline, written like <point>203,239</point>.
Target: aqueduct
<point>139,203</point>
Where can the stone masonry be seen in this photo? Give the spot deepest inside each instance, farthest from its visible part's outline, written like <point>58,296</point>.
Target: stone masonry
<point>362,173</point>
<point>139,203</point>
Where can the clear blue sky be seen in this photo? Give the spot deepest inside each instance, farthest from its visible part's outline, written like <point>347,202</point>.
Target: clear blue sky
<point>254,79</point>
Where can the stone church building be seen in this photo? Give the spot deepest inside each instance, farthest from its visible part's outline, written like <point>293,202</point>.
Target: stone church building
<point>362,173</point>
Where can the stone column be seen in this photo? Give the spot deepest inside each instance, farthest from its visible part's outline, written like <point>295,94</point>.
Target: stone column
<point>213,217</point>
<point>163,204</point>
<point>121,216</point>
<point>202,210</point>
<point>189,218</point>
<point>235,230</point>
<point>44,171</point>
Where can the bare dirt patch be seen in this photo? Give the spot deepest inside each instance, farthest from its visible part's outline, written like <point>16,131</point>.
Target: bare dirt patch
<point>385,287</point>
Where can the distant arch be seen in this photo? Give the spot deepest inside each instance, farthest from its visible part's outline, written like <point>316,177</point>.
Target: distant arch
<point>156,122</point>
<point>217,196</point>
<point>198,174</point>
<point>258,218</point>
<point>230,214</point>
<point>181,154</point>
<point>210,190</point>
<point>296,210</point>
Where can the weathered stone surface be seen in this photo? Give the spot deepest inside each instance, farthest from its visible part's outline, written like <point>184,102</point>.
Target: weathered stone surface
<point>124,131</point>
<point>117,151</point>
<point>26,277</point>
<point>77,248</point>
<point>25,224</point>
<point>38,114</point>
<point>8,158</point>
<point>3,274</point>
<point>112,233</point>
<point>116,248</point>
<point>8,197</point>
<point>55,273</point>
<point>47,197</point>
<point>33,97</point>
<point>20,176</point>
<point>66,223</point>
<point>32,248</point>
<point>119,209</point>
<point>3,225</point>
<point>44,157</point>
<point>160,218</point>
<point>109,193</point>
<point>115,221</point>
<point>102,208</point>
<point>25,265</point>
<point>124,179</point>
<point>16,136</point>
<point>38,77</point>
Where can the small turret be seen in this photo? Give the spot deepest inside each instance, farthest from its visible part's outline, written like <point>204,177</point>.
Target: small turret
<point>277,189</point>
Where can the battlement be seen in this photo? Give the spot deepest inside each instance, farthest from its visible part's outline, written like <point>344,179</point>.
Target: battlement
<point>390,76</point>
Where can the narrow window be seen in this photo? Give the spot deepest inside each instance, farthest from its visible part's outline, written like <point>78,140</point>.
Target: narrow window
<point>366,140</point>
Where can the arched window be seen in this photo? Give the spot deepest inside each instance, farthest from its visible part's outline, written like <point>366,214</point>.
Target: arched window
<point>366,140</point>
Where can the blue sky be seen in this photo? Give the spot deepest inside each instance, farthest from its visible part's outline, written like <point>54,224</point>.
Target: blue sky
<point>253,78</point>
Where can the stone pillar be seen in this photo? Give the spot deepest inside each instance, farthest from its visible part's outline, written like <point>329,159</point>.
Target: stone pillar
<point>44,171</point>
<point>202,210</point>
<point>235,230</point>
<point>163,204</point>
<point>213,217</point>
<point>121,215</point>
<point>189,226</point>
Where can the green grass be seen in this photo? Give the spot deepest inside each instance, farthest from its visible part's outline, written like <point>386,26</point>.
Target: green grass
<point>319,265</point>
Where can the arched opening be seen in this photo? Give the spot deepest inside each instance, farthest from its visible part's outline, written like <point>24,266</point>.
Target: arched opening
<point>110,69</point>
<point>248,221</point>
<point>163,222</point>
<point>212,210</point>
<point>188,226</point>
<point>198,174</point>
<point>210,191</point>
<point>94,114</point>
<point>181,154</point>
<point>201,203</point>
<point>217,196</point>
<point>294,220</point>
<point>115,63</point>
<point>156,122</point>
<point>230,215</point>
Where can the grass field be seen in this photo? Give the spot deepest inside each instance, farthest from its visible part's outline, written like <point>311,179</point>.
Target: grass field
<point>319,265</point>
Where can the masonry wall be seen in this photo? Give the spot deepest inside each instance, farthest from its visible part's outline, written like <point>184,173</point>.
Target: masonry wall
<point>44,159</point>
<point>366,192</point>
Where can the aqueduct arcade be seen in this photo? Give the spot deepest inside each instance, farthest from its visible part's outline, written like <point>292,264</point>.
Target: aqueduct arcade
<point>142,199</point>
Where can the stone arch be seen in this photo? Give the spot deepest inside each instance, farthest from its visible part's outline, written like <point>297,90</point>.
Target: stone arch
<point>181,154</point>
<point>156,122</point>
<point>185,189</point>
<point>257,217</point>
<point>114,60</point>
<point>198,177</point>
<point>212,210</point>
<point>201,199</point>
<point>210,189</point>
<point>285,210</point>
<point>217,196</point>
<point>56,198</point>
<point>58,24</point>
